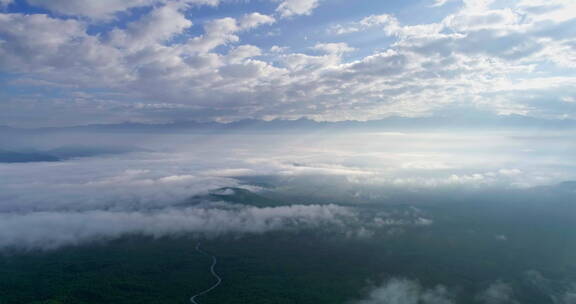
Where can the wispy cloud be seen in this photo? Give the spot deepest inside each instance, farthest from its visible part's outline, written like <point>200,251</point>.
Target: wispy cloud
<point>402,291</point>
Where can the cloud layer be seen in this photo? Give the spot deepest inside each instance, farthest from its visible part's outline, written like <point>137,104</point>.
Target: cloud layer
<point>50,230</point>
<point>148,193</point>
<point>164,65</point>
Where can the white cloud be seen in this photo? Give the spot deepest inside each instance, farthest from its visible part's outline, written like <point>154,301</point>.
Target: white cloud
<point>290,8</point>
<point>160,25</point>
<point>216,32</point>
<point>49,230</point>
<point>334,48</point>
<point>401,291</point>
<point>387,22</point>
<point>482,56</point>
<point>144,192</point>
<point>554,10</point>
<point>483,20</point>
<point>48,205</point>
<point>478,41</point>
<point>93,9</point>
<point>104,9</point>
<point>438,3</point>
<point>279,49</point>
<point>40,44</point>
<point>242,52</point>
<point>253,20</point>
<point>478,4</point>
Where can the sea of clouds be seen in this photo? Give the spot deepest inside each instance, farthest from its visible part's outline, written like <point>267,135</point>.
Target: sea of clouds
<point>51,204</point>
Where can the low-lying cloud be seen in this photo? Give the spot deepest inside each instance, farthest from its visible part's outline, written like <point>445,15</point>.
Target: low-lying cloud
<point>497,293</point>
<point>49,230</point>
<point>403,291</point>
<point>51,204</point>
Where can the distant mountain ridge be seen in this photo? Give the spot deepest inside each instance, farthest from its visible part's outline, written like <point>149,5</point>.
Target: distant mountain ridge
<point>254,125</point>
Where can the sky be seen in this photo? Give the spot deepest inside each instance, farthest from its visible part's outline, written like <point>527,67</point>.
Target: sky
<point>78,62</point>
<point>84,62</point>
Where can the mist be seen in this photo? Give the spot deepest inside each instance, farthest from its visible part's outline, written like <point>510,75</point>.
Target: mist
<point>141,191</point>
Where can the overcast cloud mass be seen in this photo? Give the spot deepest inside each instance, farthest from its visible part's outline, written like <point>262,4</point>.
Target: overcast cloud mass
<point>82,62</point>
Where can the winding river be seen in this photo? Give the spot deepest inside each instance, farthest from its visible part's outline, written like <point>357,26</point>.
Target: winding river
<point>212,271</point>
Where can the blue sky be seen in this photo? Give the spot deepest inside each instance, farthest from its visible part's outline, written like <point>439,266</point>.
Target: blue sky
<point>75,62</point>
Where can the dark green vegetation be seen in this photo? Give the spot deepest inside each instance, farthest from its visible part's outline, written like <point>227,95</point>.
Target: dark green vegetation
<point>529,245</point>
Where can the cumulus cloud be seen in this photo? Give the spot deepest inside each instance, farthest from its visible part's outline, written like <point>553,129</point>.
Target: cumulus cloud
<point>334,48</point>
<point>103,9</point>
<point>97,9</point>
<point>160,25</point>
<point>253,20</point>
<point>238,54</point>
<point>290,8</point>
<point>387,22</point>
<point>23,34</point>
<point>402,291</point>
<point>493,36</point>
<point>479,57</point>
<point>65,46</point>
